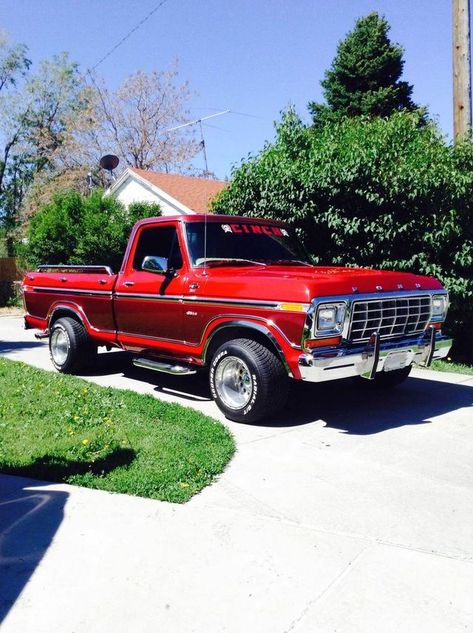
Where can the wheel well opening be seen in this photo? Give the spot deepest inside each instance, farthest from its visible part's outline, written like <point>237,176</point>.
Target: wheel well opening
<point>231,333</point>
<point>64,312</point>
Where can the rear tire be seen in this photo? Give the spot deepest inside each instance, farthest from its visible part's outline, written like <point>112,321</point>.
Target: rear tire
<point>247,381</point>
<point>70,347</point>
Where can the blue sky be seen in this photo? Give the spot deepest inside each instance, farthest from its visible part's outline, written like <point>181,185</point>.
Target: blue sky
<point>249,56</point>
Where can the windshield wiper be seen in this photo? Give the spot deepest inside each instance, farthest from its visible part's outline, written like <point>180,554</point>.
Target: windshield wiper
<point>227,261</point>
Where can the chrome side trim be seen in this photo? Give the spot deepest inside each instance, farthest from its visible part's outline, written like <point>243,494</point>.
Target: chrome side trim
<point>244,302</point>
<point>147,296</point>
<point>72,291</point>
<point>196,300</point>
<point>75,268</point>
<point>190,299</point>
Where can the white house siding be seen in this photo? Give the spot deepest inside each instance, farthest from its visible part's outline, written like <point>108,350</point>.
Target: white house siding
<point>133,191</point>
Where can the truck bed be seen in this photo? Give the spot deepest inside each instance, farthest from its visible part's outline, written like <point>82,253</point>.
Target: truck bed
<point>86,289</point>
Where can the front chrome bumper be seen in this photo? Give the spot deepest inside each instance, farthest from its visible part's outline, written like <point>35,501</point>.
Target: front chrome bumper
<point>368,359</point>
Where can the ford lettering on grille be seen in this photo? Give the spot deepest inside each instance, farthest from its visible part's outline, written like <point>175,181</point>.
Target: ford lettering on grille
<point>389,317</point>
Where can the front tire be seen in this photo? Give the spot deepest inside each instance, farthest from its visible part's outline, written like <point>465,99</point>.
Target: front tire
<point>70,347</point>
<point>247,381</point>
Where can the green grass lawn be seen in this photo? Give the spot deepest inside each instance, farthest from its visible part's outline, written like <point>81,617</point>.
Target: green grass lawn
<point>457,368</point>
<point>62,428</point>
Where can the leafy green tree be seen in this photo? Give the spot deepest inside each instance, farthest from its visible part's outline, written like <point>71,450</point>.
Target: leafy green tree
<point>74,229</point>
<point>364,78</point>
<point>386,193</point>
<point>38,119</point>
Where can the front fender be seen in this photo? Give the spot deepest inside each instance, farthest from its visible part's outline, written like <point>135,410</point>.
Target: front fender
<point>288,353</point>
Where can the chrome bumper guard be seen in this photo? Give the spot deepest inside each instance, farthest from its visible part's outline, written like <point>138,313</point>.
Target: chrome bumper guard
<point>366,360</point>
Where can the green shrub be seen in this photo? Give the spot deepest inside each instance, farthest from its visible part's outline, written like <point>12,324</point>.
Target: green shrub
<point>73,229</point>
<point>383,192</point>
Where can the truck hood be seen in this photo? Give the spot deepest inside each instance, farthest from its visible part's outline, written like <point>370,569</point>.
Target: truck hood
<point>303,283</point>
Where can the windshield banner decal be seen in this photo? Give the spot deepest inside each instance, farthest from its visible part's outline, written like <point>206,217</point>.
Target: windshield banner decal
<point>255,229</point>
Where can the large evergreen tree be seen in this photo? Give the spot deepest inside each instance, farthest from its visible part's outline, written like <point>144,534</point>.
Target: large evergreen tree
<point>364,78</point>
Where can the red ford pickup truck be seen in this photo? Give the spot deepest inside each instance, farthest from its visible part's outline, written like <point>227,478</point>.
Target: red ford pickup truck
<point>240,298</point>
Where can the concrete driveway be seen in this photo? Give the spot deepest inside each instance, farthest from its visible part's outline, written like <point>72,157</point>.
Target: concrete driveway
<point>351,512</point>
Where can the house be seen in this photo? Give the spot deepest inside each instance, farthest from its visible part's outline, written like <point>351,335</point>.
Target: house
<point>175,194</point>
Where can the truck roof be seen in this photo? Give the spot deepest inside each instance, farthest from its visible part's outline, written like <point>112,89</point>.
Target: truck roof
<point>209,217</point>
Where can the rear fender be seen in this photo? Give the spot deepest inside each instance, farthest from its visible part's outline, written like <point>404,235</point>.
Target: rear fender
<point>75,311</point>
<point>67,309</point>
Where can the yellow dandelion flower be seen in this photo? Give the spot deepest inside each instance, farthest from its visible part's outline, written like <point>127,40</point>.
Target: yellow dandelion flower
<point>85,441</point>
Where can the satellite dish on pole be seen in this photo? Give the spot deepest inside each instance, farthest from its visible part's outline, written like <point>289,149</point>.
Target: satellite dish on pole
<point>109,162</point>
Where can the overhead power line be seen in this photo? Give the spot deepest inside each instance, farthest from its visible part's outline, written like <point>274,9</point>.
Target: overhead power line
<point>130,33</point>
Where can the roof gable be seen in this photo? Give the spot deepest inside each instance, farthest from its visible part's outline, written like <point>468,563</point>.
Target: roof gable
<point>192,192</point>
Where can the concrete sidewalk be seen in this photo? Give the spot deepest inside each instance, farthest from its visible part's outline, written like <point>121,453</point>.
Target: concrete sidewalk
<point>352,512</point>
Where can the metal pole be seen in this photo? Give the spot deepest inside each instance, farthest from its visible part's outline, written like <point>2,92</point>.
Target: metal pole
<point>461,70</point>
<point>203,147</point>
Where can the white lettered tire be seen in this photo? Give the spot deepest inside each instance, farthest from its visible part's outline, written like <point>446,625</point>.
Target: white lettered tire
<point>247,380</point>
<point>70,347</point>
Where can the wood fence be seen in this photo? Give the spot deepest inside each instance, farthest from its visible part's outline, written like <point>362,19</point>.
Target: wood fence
<point>9,270</point>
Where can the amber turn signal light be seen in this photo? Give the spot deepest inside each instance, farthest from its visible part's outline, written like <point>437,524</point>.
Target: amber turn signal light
<point>437,325</point>
<point>323,342</point>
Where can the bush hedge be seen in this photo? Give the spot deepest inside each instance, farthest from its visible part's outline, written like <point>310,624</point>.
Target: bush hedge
<point>73,229</point>
<point>380,192</point>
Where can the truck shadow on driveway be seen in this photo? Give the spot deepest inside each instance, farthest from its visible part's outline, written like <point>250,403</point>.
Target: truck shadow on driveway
<point>353,407</point>
<point>359,409</point>
<point>16,346</point>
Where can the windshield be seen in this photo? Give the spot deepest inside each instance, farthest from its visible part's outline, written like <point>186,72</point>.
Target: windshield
<point>243,244</point>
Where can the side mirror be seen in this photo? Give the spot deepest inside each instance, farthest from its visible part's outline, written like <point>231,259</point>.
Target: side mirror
<point>155,264</point>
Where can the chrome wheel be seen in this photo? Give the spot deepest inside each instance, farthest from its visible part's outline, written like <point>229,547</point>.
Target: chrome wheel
<point>60,345</point>
<point>233,382</point>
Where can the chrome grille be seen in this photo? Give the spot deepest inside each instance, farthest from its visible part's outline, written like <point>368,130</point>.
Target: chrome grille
<point>389,317</point>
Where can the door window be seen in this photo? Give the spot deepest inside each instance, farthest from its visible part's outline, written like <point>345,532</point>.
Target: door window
<point>159,242</point>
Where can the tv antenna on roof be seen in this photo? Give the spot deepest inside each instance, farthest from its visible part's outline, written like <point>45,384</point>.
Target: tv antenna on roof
<point>202,140</point>
<point>109,162</point>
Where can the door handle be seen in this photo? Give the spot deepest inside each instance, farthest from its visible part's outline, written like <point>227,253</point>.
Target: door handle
<point>63,279</point>
<point>129,283</point>
<point>193,286</point>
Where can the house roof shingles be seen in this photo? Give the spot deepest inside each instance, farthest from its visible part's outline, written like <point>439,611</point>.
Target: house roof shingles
<point>194,193</point>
